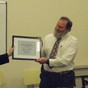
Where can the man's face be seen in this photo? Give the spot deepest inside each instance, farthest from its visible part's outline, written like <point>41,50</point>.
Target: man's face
<point>60,29</point>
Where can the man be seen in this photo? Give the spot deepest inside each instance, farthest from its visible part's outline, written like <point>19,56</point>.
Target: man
<point>57,69</point>
<point>4,58</point>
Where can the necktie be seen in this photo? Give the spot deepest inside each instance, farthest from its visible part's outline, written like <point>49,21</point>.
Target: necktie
<point>55,49</point>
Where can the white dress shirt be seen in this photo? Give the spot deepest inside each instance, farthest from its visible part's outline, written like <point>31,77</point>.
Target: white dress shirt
<point>67,51</point>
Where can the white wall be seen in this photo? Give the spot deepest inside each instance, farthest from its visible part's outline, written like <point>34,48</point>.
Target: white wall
<point>38,18</point>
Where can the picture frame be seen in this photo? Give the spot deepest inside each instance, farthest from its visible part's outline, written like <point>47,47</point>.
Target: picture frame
<point>26,48</point>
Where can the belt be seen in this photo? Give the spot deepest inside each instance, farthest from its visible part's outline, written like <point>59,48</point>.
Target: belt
<point>64,72</point>
<point>59,73</point>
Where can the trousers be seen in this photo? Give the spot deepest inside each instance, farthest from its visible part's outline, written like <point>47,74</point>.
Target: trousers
<point>56,80</point>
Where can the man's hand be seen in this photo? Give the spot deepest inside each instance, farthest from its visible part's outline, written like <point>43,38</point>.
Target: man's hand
<point>42,60</point>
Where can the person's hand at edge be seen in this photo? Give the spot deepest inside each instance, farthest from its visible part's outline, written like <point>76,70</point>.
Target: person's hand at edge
<point>10,51</point>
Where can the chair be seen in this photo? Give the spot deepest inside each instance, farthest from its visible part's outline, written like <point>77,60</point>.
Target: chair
<point>2,81</point>
<point>84,81</point>
<point>31,77</point>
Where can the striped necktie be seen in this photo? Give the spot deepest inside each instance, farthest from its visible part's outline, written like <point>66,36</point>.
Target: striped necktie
<point>55,49</point>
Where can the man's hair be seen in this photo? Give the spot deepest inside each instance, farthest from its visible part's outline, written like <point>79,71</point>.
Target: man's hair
<point>69,22</point>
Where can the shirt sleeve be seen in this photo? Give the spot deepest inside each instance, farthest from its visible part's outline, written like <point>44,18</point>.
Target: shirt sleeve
<point>4,59</point>
<point>67,57</point>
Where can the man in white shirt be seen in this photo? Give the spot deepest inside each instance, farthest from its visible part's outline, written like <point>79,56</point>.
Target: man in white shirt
<point>58,72</point>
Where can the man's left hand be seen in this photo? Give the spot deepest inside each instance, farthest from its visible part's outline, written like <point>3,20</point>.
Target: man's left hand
<point>42,60</point>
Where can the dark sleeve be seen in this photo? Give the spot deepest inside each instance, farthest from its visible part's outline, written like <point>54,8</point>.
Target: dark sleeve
<point>4,59</point>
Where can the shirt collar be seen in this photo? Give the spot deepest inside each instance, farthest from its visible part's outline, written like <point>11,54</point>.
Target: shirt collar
<point>65,36</point>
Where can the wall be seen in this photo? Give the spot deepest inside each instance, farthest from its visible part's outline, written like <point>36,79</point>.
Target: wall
<point>2,27</point>
<point>38,18</point>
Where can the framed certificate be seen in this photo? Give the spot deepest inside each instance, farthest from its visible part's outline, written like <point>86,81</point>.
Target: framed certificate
<point>26,48</point>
